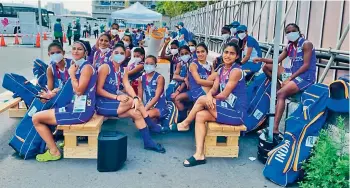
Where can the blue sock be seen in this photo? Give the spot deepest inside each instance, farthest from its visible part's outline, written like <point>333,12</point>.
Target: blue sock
<point>153,127</point>
<point>147,140</point>
<point>182,115</point>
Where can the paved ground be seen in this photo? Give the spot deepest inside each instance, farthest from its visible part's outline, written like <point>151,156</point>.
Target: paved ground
<point>142,169</point>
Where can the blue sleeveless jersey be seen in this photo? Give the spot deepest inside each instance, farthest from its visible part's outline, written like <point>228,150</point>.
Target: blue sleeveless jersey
<point>149,90</point>
<point>203,73</point>
<point>100,58</point>
<point>90,91</point>
<point>239,91</point>
<point>60,77</point>
<point>114,80</point>
<point>297,60</point>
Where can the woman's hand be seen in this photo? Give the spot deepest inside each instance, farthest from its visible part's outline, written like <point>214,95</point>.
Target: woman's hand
<point>123,98</point>
<point>135,103</point>
<point>167,40</point>
<point>73,69</point>
<point>257,60</point>
<point>210,101</point>
<point>174,94</point>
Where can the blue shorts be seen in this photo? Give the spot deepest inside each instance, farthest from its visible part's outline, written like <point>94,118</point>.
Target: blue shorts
<point>227,115</point>
<point>107,107</point>
<point>250,67</point>
<point>301,83</point>
<point>66,116</point>
<point>163,110</point>
<point>194,94</point>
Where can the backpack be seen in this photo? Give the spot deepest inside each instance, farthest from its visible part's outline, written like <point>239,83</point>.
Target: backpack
<point>339,95</point>
<point>26,140</point>
<point>258,93</point>
<point>21,87</point>
<point>283,165</point>
<point>39,71</point>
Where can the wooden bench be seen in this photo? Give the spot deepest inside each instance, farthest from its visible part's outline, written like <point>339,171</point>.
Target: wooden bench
<point>230,148</point>
<point>73,148</point>
<point>18,111</point>
<point>7,101</point>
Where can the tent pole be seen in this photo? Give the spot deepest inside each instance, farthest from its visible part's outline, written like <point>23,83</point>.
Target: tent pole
<point>277,41</point>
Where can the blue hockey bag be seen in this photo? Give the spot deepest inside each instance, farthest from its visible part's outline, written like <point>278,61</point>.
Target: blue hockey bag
<point>39,71</point>
<point>283,165</point>
<point>172,115</point>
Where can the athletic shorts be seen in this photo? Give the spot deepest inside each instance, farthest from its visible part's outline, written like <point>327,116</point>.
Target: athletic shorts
<point>194,94</point>
<point>227,115</point>
<point>107,107</point>
<point>66,116</point>
<point>301,83</point>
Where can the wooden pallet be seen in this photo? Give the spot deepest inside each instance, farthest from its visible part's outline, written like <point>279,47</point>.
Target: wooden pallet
<point>7,101</point>
<point>73,148</point>
<point>18,111</point>
<point>230,148</point>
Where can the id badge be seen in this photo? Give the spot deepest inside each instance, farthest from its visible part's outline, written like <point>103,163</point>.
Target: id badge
<point>285,76</point>
<point>231,99</point>
<point>222,86</point>
<point>79,103</point>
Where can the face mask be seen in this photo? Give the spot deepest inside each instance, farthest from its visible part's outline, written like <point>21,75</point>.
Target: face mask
<point>126,44</point>
<point>104,50</point>
<point>185,58</point>
<point>137,59</point>
<point>293,36</point>
<point>225,36</point>
<point>174,51</point>
<point>79,62</point>
<point>56,57</point>
<point>233,31</point>
<point>114,32</point>
<point>149,68</point>
<point>242,36</point>
<point>118,58</point>
<point>192,48</point>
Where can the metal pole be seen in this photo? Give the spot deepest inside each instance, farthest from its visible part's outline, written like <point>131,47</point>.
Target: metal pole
<point>267,21</point>
<point>40,30</point>
<point>330,61</point>
<point>207,20</point>
<point>257,19</point>
<point>277,41</point>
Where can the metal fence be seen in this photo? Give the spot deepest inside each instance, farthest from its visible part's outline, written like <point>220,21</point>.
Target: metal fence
<point>324,23</point>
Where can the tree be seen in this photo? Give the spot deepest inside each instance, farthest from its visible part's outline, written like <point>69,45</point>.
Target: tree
<point>175,8</point>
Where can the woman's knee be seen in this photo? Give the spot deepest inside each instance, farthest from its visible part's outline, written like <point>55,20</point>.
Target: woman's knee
<point>201,116</point>
<point>266,68</point>
<point>36,119</point>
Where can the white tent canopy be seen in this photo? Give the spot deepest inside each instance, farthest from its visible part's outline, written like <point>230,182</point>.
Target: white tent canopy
<point>136,12</point>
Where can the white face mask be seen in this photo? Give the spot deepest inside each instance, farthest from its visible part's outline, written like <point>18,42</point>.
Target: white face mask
<point>225,36</point>
<point>192,48</point>
<point>233,31</point>
<point>137,59</point>
<point>242,36</point>
<point>118,58</point>
<point>104,50</point>
<point>79,62</point>
<point>114,32</point>
<point>56,57</point>
<point>149,68</point>
<point>185,58</point>
<point>174,51</point>
<point>126,44</point>
<point>293,36</point>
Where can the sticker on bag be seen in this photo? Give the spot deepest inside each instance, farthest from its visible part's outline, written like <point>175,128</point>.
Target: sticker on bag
<point>310,141</point>
<point>32,111</point>
<point>258,114</point>
<point>79,103</point>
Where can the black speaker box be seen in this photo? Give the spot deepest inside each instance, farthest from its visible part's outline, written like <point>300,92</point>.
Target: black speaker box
<point>111,151</point>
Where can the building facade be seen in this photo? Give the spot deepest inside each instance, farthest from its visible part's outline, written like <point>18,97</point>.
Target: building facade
<point>57,8</point>
<point>102,9</point>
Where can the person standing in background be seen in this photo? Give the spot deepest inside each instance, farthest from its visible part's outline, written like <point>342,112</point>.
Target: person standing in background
<point>76,30</point>
<point>69,33</point>
<point>95,29</point>
<point>58,30</point>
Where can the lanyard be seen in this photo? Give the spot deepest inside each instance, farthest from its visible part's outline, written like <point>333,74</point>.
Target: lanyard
<point>118,76</point>
<point>66,75</point>
<point>224,75</point>
<point>295,51</point>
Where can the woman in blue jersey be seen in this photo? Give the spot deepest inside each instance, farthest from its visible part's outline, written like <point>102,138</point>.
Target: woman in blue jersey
<point>201,78</point>
<point>127,40</point>
<point>103,53</point>
<point>192,45</point>
<point>250,50</point>
<point>80,110</point>
<point>299,76</point>
<point>112,100</point>
<point>173,57</point>
<point>136,66</point>
<point>175,87</point>
<point>151,90</point>
<point>225,102</point>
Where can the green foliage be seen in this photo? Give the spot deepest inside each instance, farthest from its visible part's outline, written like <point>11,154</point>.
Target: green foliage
<point>175,8</point>
<point>328,165</point>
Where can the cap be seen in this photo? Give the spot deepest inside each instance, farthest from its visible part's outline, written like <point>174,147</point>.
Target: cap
<point>181,23</point>
<point>235,24</point>
<point>242,28</point>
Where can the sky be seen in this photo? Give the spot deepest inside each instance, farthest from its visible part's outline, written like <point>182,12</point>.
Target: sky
<point>72,5</point>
